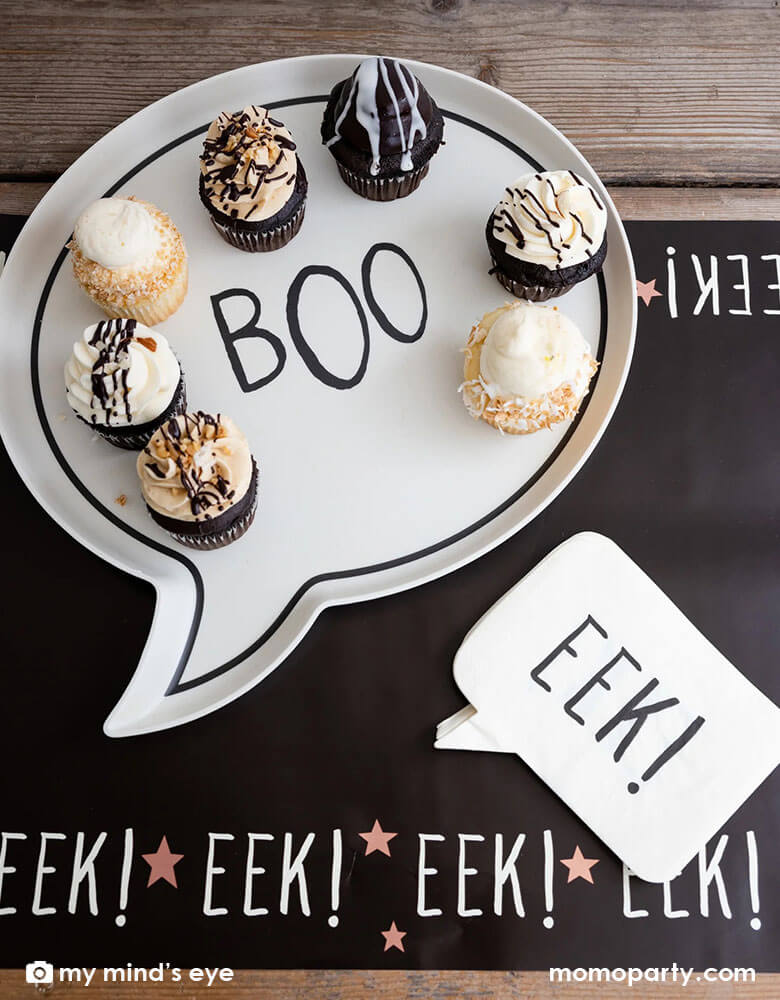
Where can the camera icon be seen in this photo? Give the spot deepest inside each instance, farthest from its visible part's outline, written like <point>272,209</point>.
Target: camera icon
<point>39,972</point>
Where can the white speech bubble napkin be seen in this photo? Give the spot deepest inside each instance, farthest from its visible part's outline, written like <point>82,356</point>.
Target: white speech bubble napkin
<point>589,673</point>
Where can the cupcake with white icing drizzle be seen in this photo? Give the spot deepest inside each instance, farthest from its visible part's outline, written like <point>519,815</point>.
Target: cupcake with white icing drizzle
<point>526,367</point>
<point>199,479</point>
<point>382,127</point>
<point>123,379</point>
<point>547,234</point>
<point>251,180</point>
<point>130,259</point>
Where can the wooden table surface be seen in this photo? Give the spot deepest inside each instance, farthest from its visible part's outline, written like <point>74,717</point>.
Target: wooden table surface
<point>676,105</point>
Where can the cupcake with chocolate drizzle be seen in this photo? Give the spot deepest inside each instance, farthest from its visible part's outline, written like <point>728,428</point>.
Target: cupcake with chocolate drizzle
<point>199,480</point>
<point>382,127</point>
<point>547,234</point>
<point>251,180</point>
<point>123,380</point>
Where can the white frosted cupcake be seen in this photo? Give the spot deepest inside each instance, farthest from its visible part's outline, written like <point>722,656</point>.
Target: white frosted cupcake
<point>527,367</point>
<point>129,258</point>
<point>199,480</point>
<point>124,381</point>
<point>547,234</point>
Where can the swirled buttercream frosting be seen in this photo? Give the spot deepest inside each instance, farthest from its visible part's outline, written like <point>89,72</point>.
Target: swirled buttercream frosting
<point>116,233</point>
<point>121,373</point>
<point>553,218</point>
<point>526,367</point>
<point>530,350</point>
<point>195,467</point>
<point>248,164</point>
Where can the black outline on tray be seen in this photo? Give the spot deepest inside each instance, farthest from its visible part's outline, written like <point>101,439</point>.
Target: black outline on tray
<point>175,687</point>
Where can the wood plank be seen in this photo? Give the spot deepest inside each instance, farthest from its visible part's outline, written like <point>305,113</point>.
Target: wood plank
<point>696,203</point>
<point>632,203</point>
<point>290,985</point>
<point>654,93</point>
<point>20,199</point>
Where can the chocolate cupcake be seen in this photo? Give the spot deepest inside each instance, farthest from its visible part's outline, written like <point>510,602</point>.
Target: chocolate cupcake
<point>547,234</point>
<point>382,127</point>
<point>199,480</point>
<point>124,381</point>
<point>251,180</point>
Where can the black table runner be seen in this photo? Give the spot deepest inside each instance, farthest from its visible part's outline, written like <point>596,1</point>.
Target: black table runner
<point>686,479</point>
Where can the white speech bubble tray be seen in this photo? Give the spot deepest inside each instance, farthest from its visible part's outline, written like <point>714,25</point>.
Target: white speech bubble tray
<point>373,478</point>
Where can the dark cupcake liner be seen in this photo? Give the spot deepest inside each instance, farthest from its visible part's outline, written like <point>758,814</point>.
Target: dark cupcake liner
<point>218,539</point>
<point>382,188</point>
<point>261,240</point>
<point>532,293</point>
<point>134,437</point>
<point>221,530</point>
<point>268,234</point>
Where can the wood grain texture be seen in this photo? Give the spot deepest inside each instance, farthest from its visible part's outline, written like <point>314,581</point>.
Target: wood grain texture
<point>632,203</point>
<point>669,204</point>
<point>657,92</point>
<point>329,985</point>
<point>20,199</point>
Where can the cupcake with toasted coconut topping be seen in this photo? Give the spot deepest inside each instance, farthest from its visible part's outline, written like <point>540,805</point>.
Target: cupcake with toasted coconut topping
<point>526,367</point>
<point>130,259</point>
